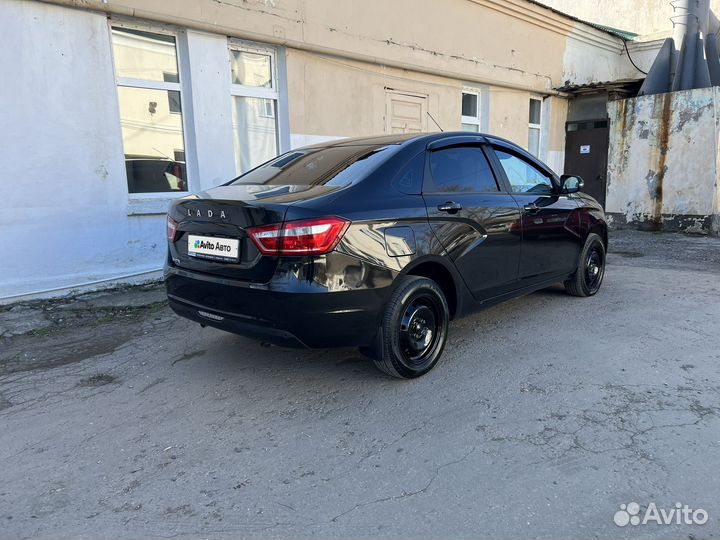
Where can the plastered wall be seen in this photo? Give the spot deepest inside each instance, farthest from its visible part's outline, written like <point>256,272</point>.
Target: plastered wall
<point>662,168</point>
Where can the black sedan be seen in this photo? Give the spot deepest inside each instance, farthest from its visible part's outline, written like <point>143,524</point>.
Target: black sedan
<point>379,243</point>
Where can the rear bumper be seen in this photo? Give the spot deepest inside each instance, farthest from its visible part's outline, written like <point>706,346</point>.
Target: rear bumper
<point>293,314</point>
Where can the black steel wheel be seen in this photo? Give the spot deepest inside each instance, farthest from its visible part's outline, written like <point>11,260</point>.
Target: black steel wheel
<point>591,268</point>
<point>414,329</point>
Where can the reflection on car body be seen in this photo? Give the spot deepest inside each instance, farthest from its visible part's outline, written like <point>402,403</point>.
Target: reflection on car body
<point>380,242</point>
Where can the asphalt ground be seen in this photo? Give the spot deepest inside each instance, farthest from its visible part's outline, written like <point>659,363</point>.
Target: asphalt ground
<point>120,420</point>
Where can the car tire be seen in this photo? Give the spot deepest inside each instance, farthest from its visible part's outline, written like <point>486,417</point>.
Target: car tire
<point>588,277</point>
<point>414,329</point>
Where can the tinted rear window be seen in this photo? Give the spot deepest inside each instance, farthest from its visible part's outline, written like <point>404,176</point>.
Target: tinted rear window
<point>460,169</point>
<point>333,166</point>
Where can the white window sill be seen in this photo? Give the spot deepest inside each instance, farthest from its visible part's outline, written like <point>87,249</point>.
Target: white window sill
<point>149,206</point>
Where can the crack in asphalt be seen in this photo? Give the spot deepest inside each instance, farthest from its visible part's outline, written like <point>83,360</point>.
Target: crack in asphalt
<point>405,494</point>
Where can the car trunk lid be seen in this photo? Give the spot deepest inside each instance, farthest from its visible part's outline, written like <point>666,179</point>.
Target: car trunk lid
<point>226,213</point>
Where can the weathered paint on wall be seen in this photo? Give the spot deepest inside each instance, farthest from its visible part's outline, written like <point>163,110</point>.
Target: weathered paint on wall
<point>662,166</point>
<point>341,55</point>
<point>486,41</point>
<point>588,61</point>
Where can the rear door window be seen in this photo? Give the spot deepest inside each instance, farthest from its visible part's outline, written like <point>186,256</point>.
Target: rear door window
<point>333,166</point>
<point>409,178</point>
<point>460,169</point>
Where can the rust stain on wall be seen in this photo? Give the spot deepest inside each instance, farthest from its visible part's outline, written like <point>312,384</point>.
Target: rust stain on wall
<point>626,116</point>
<point>623,113</point>
<point>662,161</point>
<point>663,145</point>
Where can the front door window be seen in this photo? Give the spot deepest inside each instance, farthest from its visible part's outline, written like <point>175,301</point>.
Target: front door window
<point>524,177</point>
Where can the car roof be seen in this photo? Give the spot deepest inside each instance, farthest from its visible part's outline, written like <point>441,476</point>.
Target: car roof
<point>462,137</point>
<point>376,140</point>
<point>402,138</point>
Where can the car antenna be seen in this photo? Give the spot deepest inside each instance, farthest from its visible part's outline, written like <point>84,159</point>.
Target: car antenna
<point>438,125</point>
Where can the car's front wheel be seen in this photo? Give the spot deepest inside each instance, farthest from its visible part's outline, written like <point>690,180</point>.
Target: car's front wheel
<point>589,275</point>
<point>414,329</point>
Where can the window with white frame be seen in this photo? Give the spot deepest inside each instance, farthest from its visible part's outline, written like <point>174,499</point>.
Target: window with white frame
<point>535,126</point>
<point>470,110</point>
<point>148,89</point>
<point>254,95</point>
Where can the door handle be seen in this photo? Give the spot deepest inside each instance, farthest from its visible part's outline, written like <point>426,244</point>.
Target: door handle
<point>532,208</point>
<point>450,207</point>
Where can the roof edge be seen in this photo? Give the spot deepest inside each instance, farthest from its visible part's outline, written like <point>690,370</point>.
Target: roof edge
<point>625,35</point>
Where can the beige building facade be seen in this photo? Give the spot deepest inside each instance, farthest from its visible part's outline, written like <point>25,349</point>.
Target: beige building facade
<point>152,99</point>
<point>647,18</point>
<point>350,64</point>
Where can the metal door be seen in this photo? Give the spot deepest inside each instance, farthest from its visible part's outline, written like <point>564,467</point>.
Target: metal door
<point>586,154</point>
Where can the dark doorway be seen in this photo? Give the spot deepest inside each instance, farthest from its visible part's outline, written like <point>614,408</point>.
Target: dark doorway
<point>586,153</point>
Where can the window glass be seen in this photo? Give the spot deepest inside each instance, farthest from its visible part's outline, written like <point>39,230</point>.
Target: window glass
<point>524,177</point>
<point>173,97</point>
<point>151,118</point>
<point>469,105</point>
<point>152,138</point>
<point>144,55</point>
<point>474,128</point>
<point>334,165</point>
<point>535,118</point>
<point>409,179</point>
<point>535,111</point>
<point>254,131</point>
<point>251,69</point>
<point>460,169</point>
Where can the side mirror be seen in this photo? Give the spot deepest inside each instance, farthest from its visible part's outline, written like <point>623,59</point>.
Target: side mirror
<point>570,183</point>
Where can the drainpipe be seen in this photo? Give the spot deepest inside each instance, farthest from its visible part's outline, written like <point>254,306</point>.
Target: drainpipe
<point>714,28</point>
<point>687,19</point>
<point>690,69</point>
<point>703,14</point>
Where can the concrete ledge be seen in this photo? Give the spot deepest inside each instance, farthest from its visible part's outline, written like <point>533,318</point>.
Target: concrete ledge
<point>685,223</point>
<point>137,278</point>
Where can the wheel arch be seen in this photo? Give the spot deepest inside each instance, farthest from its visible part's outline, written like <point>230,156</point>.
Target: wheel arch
<point>441,273</point>
<point>600,229</point>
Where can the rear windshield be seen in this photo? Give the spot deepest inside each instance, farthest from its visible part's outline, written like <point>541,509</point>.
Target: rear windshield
<point>332,166</point>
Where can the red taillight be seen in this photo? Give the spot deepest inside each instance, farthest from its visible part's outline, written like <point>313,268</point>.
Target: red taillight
<point>303,237</point>
<point>172,226</point>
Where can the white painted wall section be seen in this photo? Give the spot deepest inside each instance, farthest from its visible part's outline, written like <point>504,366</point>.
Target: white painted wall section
<point>211,114</point>
<point>66,207</point>
<point>63,181</point>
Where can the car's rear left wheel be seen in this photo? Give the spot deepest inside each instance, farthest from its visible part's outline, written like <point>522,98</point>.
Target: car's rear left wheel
<point>414,329</point>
